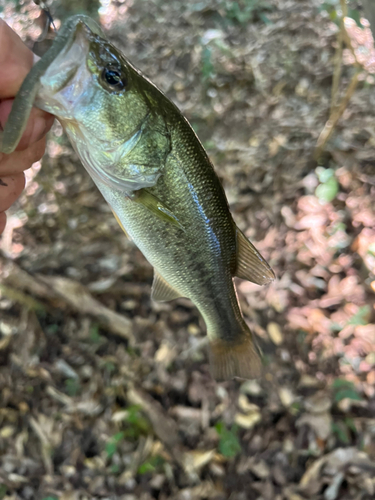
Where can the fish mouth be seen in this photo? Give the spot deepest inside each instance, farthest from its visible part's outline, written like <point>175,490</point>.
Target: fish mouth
<point>65,80</point>
<point>65,90</point>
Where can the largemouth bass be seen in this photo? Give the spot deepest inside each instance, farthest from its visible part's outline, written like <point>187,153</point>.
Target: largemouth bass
<point>153,171</point>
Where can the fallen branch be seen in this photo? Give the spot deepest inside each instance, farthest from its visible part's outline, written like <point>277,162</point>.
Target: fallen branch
<point>60,292</point>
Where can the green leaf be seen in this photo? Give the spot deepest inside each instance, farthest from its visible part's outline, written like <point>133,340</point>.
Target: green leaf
<point>327,192</point>
<point>109,367</point>
<point>111,446</point>
<point>220,428</point>
<point>138,421</point>
<point>115,469</point>
<point>341,383</point>
<point>119,436</point>
<point>145,467</point>
<point>229,445</point>
<point>95,336</point>
<point>110,449</point>
<point>361,316</point>
<point>52,329</point>
<point>207,67</point>
<point>335,327</point>
<point>347,393</point>
<point>72,387</point>
<point>341,431</point>
<point>356,15</point>
<point>324,174</point>
<point>3,491</point>
<point>151,464</point>
<point>295,408</point>
<point>349,422</point>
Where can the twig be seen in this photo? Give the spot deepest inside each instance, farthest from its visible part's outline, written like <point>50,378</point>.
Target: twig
<point>21,298</point>
<point>338,65</point>
<point>58,290</point>
<point>337,111</point>
<point>163,425</point>
<point>336,115</point>
<point>46,447</point>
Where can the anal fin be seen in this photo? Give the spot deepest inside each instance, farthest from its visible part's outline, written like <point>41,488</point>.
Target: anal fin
<point>161,290</point>
<point>251,265</point>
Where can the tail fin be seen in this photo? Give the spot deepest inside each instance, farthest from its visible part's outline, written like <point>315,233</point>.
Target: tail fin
<point>235,358</point>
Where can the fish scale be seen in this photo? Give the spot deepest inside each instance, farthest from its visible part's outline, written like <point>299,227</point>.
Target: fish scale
<point>155,174</point>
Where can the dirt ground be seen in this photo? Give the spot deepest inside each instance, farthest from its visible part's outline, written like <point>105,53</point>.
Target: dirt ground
<point>108,395</point>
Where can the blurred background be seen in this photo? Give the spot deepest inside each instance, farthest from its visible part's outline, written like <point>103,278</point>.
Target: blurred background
<point>106,394</point>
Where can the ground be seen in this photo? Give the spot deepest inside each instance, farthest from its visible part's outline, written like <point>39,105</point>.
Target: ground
<point>108,395</point>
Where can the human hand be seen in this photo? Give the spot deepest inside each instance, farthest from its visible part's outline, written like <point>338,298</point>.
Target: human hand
<point>16,61</point>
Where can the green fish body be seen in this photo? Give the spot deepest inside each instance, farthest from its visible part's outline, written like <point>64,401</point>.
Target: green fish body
<point>156,176</point>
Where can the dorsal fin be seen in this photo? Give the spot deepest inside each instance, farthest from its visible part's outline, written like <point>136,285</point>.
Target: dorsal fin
<point>162,291</point>
<point>250,264</point>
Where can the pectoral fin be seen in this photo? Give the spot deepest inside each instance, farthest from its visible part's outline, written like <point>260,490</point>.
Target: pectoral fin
<point>120,223</point>
<point>162,291</point>
<point>155,206</point>
<point>250,264</point>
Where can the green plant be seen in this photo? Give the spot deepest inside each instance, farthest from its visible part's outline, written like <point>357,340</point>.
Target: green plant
<point>328,187</point>
<point>208,69</point>
<point>111,446</point>
<point>358,319</point>
<point>244,11</point>
<point>361,316</point>
<point>95,336</point>
<point>72,386</point>
<point>332,7</point>
<point>344,389</point>
<point>343,429</point>
<point>338,10</point>
<point>3,491</point>
<point>151,465</point>
<point>229,444</point>
<point>135,425</point>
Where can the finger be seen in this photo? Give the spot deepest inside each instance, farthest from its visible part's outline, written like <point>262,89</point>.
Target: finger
<point>38,125</point>
<point>3,220</point>
<point>16,61</point>
<point>10,189</point>
<point>18,161</point>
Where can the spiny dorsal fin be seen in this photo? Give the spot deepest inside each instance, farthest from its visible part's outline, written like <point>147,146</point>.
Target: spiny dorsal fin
<point>162,291</point>
<point>250,264</point>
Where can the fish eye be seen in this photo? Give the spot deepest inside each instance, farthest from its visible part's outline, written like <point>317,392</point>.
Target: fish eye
<point>114,78</point>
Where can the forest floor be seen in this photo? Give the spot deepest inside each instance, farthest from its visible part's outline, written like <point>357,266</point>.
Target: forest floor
<point>108,395</point>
